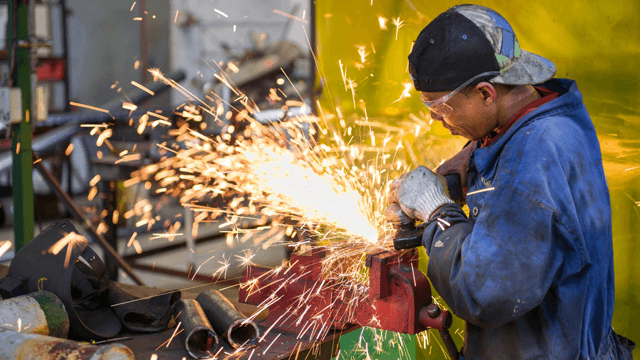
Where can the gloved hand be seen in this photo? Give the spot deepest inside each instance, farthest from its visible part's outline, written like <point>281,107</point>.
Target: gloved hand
<point>459,164</point>
<point>420,193</point>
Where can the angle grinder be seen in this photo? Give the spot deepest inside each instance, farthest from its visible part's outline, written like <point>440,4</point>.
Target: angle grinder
<point>408,235</point>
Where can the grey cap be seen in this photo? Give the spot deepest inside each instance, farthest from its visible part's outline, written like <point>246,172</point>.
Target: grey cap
<point>517,66</point>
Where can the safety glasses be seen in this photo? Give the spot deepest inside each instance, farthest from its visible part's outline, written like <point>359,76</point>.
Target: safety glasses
<point>440,106</point>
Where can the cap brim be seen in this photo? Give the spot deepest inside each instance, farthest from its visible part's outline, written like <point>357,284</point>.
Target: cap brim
<point>529,69</point>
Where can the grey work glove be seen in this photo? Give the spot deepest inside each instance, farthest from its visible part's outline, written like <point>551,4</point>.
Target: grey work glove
<point>420,193</point>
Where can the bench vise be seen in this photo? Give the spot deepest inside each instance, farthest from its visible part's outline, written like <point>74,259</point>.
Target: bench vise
<point>299,299</point>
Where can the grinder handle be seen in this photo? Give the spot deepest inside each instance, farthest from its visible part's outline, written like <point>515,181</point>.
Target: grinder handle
<point>432,317</point>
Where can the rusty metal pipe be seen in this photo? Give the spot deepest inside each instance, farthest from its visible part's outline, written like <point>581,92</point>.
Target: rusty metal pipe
<point>199,338</point>
<point>227,320</point>
<point>21,345</point>
<point>41,313</point>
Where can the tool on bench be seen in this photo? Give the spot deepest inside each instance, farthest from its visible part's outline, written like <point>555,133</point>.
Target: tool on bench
<point>301,301</point>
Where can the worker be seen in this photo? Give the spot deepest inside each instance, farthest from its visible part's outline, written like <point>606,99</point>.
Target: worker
<point>530,269</point>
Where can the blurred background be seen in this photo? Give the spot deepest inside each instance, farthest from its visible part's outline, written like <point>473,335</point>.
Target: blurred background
<point>359,73</point>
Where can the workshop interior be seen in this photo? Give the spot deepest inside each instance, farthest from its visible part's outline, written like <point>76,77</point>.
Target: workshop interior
<point>207,179</point>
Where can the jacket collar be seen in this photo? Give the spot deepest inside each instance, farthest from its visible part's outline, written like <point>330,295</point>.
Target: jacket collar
<point>486,158</point>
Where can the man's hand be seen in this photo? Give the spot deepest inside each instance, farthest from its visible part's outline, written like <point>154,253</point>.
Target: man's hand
<point>419,193</point>
<point>459,164</point>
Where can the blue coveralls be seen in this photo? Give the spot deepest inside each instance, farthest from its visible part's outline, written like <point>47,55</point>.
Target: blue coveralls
<point>531,269</point>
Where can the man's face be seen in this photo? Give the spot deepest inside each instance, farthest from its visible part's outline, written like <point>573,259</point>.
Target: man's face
<point>470,118</point>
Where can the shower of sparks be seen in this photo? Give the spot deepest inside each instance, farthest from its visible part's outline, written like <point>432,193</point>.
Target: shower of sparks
<point>69,241</point>
<point>89,107</point>
<point>383,22</point>
<point>398,23</point>
<point>303,182</point>
<point>362,51</point>
<point>279,12</point>
<point>221,13</point>
<point>480,191</point>
<point>142,87</point>
<point>408,87</point>
<point>343,72</point>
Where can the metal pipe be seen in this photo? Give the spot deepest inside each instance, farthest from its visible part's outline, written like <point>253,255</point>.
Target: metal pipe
<point>312,59</point>
<point>62,134</point>
<point>190,240</point>
<point>144,51</point>
<point>227,320</point>
<point>137,96</point>
<point>40,312</point>
<point>65,51</point>
<point>94,117</point>
<point>199,338</point>
<point>45,142</point>
<point>21,345</point>
<point>183,274</point>
<point>77,213</point>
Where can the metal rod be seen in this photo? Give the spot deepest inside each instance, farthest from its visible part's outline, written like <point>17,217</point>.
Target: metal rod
<point>227,320</point>
<point>217,236</point>
<point>77,213</point>
<point>21,345</point>
<point>40,312</point>
<point>452,350</point>
<point>144,51</point>
<point>65,50</point>
<point>199,338</point>
<point>313,71</point>
<point>190,241</point>
<point>183,274</point>
<point>94,117</point>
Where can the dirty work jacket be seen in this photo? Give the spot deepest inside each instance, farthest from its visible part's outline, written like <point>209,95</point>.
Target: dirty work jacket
<point>531,270</point>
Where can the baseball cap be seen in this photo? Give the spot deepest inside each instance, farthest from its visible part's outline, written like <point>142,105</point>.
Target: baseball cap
<point>468,40</point>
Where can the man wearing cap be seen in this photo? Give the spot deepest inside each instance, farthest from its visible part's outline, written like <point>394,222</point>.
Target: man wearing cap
<point>531,269</point>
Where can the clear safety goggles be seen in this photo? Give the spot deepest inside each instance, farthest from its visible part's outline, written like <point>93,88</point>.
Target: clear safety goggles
<point>440,106</point>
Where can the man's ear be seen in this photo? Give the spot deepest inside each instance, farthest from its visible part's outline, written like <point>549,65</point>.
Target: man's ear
<point>488,92</point>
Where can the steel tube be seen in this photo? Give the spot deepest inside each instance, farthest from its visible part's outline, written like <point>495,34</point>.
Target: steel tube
<point>21,345</point>
<point>227,320</point>
<point>41,313</point>
<point>199,338</point>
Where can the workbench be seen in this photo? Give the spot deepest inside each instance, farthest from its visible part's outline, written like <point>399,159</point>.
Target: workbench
<point>286,346</point>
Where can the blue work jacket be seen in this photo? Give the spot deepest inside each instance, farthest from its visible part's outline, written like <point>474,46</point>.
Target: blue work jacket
<point>531,269</point>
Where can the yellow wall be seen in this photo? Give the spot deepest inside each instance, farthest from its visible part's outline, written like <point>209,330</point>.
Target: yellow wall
<point>597,43</point>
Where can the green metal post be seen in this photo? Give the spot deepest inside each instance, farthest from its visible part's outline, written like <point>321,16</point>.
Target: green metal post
<point>23,198</point>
